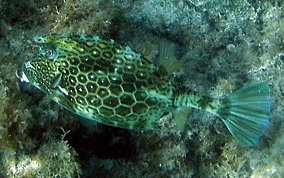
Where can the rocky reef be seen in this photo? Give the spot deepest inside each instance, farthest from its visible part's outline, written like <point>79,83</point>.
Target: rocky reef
<point>222,44</point>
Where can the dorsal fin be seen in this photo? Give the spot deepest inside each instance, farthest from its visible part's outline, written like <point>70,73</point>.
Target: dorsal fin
<point>167,61</point>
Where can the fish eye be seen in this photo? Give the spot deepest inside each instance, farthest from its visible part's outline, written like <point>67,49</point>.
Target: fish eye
<point>49,54</point>
<point>48,51</point>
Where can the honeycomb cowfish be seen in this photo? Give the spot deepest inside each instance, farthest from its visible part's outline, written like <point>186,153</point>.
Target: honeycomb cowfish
<point>110,83</point>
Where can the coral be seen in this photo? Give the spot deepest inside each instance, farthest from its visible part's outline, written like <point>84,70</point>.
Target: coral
<point>23,151</point>
<point>53,159</point>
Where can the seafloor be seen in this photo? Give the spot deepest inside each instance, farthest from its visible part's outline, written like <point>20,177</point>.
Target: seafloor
<point>223,45</point>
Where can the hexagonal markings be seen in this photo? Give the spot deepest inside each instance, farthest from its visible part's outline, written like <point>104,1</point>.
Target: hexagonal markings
<point>106,111</point>
<point>117,61</point>
<point>132,117</point>
<point>117,48</point>
<point>74,70</point>
<point>115,79</point>
<point>141,95</point>
<point>102,93</point>
<point>72,80</point>
<point>71,90</point>
<point>128,77</point>
<point>82,78</point>
<point>128,87</point>
<point>140,108</point>
<point>95,53</point>
<point>107,55</point>
<point>99,70</point>
<point>92,76</point>
<point>115,90</point>
<point>71,99</point>
<point>111,102</point>
<point>89,43</point>
<point>64,64</point>
<point>81,49</point>
<point>94,101</point>
<point>63,56</point>
<point>129,56</point>
<point>140,84</point>
<point>127,99</point>
<point>142,63</point>
<point>85,68</point>
<point>73,60</point>
<point>88,60</point>
<point>81,100</point>
<point>64,71</point>
<point>141,75</point>
<point>129,68</point>
<point>103,81</point>
<point>91,87</point>
<point>64,82</point>
<point>103,45</point>
<point>103,62</point>
<point>111,68</point>
<point>81,90</point>
<point>118,71</point>
<point>122,111</point>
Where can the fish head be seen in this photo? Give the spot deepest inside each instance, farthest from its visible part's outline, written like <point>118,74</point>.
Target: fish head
<point>42,71</point>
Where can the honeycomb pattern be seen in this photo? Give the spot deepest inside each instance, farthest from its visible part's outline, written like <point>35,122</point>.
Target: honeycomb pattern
<point>105,81</point>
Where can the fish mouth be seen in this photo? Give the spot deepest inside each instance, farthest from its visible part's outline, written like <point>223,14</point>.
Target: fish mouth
<point>22,76</point>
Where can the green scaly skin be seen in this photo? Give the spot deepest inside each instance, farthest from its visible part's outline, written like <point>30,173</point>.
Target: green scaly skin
<point>110,83</point>
<point>100,80</point>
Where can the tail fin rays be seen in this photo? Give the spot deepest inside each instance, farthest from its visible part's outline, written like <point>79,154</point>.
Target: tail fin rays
<point>246,113</point>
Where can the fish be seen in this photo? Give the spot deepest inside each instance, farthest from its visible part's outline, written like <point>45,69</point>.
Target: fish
<point>108,82</point>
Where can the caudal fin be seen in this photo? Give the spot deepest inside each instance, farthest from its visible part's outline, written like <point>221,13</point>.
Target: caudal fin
<point>246,113</point>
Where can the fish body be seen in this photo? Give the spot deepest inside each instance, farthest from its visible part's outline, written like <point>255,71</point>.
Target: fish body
<point>110,83</point>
